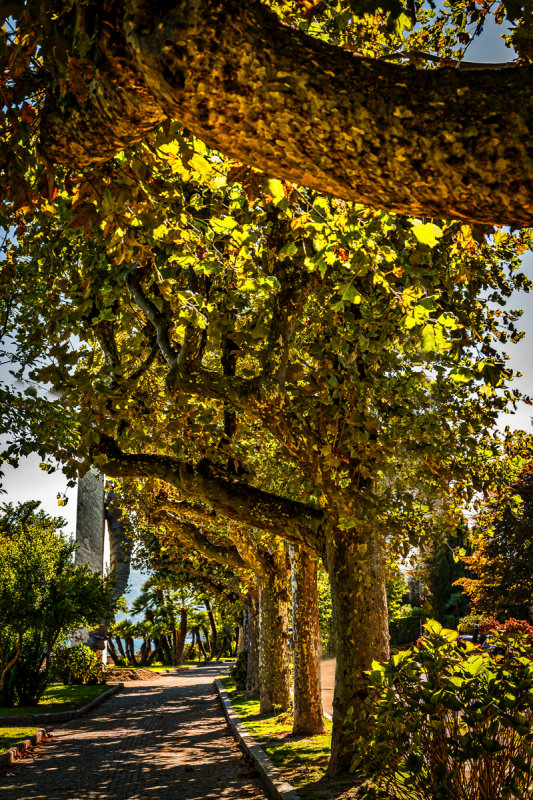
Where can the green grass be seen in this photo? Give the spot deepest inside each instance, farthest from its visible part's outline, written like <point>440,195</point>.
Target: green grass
<point>11,736</point>
<point>58,698</point>
<point>158,667</point>
<point>302,760</point>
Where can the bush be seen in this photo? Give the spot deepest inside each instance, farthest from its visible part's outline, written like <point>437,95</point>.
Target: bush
<point>450,721</point>
<point>510,626</point>
<point>405,629</point>
<point>467,624</point>
<point>239,670</point>
<point>26,681</point>
<point>77,665</point>
<point>450,621</point>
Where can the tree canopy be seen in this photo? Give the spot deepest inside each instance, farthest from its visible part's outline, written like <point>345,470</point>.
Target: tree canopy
<point>261,356</point>
<point>294,363</point>
<point>500,575</point>
<point>42,594</point>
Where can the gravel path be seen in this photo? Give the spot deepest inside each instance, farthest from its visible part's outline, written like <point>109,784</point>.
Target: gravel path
<point>160,740</point>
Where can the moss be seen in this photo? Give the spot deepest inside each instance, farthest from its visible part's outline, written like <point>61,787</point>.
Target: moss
<point>302,760</point>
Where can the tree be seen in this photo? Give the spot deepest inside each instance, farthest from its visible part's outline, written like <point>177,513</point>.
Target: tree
<point>308,710</point>
<point>42,594</point>
<point>282,95</point>
<point>163,604</point>
<point>273,355</point>
<point>268,561</point>
<point>440,570</point>
<point>499,581</point>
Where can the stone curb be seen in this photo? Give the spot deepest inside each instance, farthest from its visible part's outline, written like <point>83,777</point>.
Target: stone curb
<point>59,716</point>
<point>9,756</point>
<point>276,785</point>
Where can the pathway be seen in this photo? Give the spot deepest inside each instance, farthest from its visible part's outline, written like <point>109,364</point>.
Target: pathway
<point>327,680</point>
<point>160,740</point>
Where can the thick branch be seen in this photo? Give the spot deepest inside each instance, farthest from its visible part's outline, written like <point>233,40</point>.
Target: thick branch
<point>191,535</point>
<point>159,319</point>
<point>262,397</point>
<point>439,142</point>
<point>297,522</point>
<point>258,558</point>
<point>241,554</point>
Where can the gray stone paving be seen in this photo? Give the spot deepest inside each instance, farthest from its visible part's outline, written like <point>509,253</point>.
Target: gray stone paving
<point>160,740</point>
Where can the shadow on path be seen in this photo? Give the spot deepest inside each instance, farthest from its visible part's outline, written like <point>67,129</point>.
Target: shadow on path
<point>159,740</point>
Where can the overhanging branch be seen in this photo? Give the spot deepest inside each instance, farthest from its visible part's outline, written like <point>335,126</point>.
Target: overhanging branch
<point>444,142</point>
<point>298,523</point>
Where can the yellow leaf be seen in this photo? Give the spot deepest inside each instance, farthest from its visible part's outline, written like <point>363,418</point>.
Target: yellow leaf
<point>427,233</point>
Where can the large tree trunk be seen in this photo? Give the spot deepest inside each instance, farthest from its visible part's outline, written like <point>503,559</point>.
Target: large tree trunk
<point>356,572</point>
<point>118,640</point>
<point>297,108</point>
<point>308,711</point>
<point>274,666</point>
<point>251,634</point>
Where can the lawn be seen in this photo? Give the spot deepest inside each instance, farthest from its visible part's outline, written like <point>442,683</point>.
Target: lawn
<point>11,736</point>
<point>158,667</point>
<point>58,697</point>
<point>301,760</point>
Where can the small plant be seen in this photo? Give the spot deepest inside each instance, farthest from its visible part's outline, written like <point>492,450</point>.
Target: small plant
<point>451,721</point>
<point>77,665</point>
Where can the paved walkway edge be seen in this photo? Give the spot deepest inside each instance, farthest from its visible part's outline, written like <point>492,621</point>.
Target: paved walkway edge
<point>59,716</point>
<point>9,756</point>
<point>276,785</point>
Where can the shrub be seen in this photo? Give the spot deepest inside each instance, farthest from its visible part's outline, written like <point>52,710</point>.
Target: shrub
<point>450,621</point>
<point>509,627</point>
<point>405,627</point>
<point>77,665</point>
<point>450,721</point>
<point>239,669</point>
<point>467,624</point>
<point>26,681</point>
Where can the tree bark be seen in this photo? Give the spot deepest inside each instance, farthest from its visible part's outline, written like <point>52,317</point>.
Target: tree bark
<point>239,646</point>
<point>182,635</point>
<point>252,641</point>
<point>274,667</point>
<point>308,711</point>
<point>212,625</point>
<point>166,649</point>
<point>440,142</point>
<point>356,572</point>
<point>200,644</point>
<point>130,649</point>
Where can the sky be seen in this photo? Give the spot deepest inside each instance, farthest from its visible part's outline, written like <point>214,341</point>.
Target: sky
<point>28,482</point>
